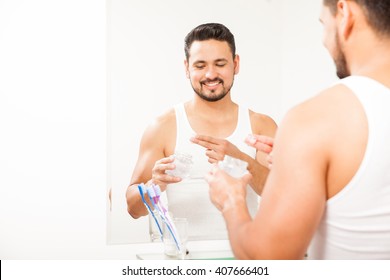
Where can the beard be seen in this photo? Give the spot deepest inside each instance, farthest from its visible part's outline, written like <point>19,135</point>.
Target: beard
<point>340,61</point>
<point>214,96</point>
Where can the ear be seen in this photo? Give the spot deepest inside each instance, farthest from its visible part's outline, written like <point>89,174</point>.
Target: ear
<point>186,68</point>
<point>236,62</point>
<point>346,18</point>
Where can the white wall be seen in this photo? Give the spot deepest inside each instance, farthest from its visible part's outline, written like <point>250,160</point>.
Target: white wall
<point>53,107</point>
<point>53,130</point>
<point>307,68</point>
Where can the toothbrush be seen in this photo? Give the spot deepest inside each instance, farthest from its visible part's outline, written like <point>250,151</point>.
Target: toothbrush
<point>157,191</point>
<point>142,191</point>
<point>157,204</point>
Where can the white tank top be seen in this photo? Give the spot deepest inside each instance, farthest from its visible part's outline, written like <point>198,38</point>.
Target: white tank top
<point>356,222</point>
<point>190,198</point>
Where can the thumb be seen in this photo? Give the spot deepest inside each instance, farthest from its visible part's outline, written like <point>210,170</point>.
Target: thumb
<point>210,175</point>
<point>246,178</point>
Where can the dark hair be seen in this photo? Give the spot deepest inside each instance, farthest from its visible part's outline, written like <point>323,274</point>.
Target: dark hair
<point>208,31</point>
<point>377,13</point>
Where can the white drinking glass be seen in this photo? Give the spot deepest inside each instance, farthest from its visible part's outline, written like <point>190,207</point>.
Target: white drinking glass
<point>183,163</point>
<point>170,247</point>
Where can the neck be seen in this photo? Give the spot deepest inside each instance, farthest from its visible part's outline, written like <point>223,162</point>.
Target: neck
<point>370,58</point>
<point>217,119</point>
<point>216,110</point>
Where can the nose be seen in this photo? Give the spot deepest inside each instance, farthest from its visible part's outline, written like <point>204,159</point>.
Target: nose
<point>211,73</point>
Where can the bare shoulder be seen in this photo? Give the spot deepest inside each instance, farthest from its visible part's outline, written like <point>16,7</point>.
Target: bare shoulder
<point>161,132</point>
<point>166,121</point>
<point>318,121</point>
<point>328,131</point>
<point>262,124</point>
<point>326,106</point>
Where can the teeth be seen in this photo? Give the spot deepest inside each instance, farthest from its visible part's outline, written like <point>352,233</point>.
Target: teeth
<point>212,84</point>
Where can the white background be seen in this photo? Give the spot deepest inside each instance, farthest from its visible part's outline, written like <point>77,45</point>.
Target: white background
<point>55,105</point>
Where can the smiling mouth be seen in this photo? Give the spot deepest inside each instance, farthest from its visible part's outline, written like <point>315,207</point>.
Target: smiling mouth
<point>212,83</point>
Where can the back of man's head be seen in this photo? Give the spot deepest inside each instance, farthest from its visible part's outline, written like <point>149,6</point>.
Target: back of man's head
<point>377,13</point>
<point>209,31</point>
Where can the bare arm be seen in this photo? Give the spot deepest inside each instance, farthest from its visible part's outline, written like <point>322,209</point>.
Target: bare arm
<point>261,124</point>
<point>151,164</point>
<point>293,200</point>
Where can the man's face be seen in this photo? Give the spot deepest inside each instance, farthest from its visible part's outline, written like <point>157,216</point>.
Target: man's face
<point>211,69</point>
<point>332,42</point>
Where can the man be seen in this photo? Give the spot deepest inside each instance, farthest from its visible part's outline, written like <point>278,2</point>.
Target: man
<point>329,186</point>
<point>207,127</point>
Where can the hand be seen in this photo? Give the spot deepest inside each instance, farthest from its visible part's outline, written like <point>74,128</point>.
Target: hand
<point>216,149</point>
<point>262,143</point>
<point>159,177</point>
<point>225,191</point>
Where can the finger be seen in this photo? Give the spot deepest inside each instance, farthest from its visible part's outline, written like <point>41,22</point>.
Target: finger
<point>251,139</point>
<point>264,139</point>
<point>210,175</point>
<point>270,161</point>
<point>270,158</point>
<point>161,167</point>
<point>170,179</point>
<point>214,169</point>
<point>166,160</point>
<point>164,179</point>
<point>205,138</point>
<point>260,146</point>
<point>213,156</point>
<point>263,147</point>
<point>205,144</point>
<point>206,141</point>
<point>246,178</point>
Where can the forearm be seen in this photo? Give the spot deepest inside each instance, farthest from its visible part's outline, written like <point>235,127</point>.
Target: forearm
<point>135,205</point>
<point>237,221</point>
<point>259,173</point>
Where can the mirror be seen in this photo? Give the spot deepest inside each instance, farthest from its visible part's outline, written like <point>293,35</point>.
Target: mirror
<point>145,74</point>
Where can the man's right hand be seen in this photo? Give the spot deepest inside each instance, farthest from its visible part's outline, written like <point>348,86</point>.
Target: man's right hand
<point>262,143</point>
<point>159,176</point>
